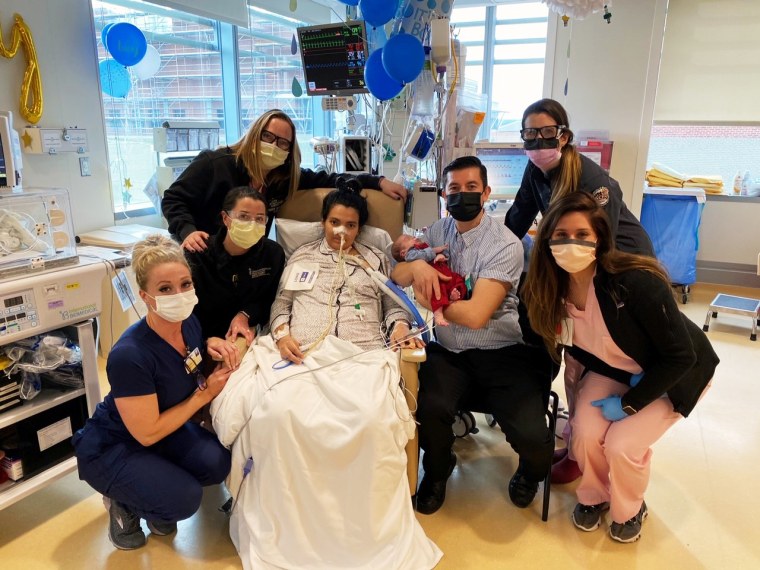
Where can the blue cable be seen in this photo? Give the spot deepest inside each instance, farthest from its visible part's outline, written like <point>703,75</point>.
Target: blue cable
<point>407,303</point>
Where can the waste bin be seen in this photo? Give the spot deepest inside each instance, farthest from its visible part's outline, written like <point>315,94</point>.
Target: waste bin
<point>671,217</point>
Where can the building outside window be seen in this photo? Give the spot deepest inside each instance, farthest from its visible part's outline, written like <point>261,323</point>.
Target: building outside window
<point>192,84</point>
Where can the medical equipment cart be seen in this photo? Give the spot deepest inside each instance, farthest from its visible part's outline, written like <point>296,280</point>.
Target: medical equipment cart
<point>671,217</point>
<point>65,299</point>
<point>44,288</point>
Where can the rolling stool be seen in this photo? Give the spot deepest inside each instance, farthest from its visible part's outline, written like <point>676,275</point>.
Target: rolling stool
<point>465,424</point>
<point>735,305</point>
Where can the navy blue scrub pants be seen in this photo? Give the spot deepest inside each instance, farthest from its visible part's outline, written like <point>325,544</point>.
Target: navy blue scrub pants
<point>162,482</point>
<point>511,383</point>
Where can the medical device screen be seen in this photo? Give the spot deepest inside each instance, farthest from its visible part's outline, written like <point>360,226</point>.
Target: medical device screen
<point>505,165</point>
<point>3,176</point>
<point>333,57</point>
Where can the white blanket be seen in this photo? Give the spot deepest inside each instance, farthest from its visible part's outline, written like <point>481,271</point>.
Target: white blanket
<point>328,488</point>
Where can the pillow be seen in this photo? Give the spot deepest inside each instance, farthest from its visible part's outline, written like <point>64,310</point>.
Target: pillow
<point>292,234</point>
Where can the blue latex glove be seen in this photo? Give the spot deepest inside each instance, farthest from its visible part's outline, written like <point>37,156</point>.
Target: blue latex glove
<point>636,378</point>
<point>612,408</point>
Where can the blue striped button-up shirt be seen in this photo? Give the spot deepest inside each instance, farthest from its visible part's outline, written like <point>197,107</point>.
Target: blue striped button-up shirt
<point>488,251</point>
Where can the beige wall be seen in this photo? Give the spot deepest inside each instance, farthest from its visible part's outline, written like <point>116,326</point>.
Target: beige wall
<point>64,38</point>
<point>612,76</point>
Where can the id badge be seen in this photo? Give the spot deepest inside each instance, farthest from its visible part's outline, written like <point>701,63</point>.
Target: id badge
<point>302,277</point>
<point>565,332</point>
<point>193,361</point>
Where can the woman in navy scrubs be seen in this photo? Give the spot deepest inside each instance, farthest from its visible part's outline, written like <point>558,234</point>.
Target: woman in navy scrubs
<point>141,449</point>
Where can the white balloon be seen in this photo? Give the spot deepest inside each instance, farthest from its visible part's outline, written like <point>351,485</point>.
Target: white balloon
<point>148,65</point>
<point>577,9</point>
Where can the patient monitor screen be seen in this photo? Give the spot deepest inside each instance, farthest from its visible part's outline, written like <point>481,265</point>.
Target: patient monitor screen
<point>333,58</point>
<point>505,166</point>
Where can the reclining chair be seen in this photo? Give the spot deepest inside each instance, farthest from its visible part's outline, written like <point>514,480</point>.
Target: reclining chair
<point>387,214</point>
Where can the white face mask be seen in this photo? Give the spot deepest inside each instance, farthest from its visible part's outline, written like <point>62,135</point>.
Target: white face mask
<point>175,308</point>
<point>246,234</point>
<point>271,155</point>
<point>573,255</point>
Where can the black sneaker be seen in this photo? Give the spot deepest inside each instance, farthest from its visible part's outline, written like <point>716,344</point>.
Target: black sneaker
<point>630,530</point>
<point>431,494</point>
<point>589,517</point>
<point>162,528</point>
<point>124,529</point>
<point>522,490</point>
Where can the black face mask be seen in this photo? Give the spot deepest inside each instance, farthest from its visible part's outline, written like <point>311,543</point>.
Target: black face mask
<point>464,206</point>
<point>538,144</point>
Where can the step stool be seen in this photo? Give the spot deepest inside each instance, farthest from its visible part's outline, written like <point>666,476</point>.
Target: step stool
<point>735,305</point>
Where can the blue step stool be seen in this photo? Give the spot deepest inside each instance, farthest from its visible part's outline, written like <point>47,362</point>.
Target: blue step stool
<point>743,306</point>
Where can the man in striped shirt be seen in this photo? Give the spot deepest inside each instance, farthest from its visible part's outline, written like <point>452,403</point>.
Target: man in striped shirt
<point>482,352</point>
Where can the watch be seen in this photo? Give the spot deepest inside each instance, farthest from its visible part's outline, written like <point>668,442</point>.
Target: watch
<point>630,410</point>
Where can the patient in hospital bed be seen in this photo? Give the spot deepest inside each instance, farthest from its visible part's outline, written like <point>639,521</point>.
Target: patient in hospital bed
<point>316,417</point>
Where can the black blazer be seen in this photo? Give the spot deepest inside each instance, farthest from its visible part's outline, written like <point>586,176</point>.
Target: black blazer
<point>643,319</point>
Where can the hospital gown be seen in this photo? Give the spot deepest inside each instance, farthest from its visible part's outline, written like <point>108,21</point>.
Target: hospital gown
<point>309,311</point>
<point>328,485</point>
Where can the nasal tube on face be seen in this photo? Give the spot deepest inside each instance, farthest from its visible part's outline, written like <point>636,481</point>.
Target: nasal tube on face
<point>340,231</point>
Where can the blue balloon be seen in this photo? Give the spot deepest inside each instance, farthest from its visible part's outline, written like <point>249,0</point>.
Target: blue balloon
<point>379,83</point>
<point>403,57</point>
<point>114,78</point>
<point>126,43</point>
<point>378,12</point>
<point>104,33</point>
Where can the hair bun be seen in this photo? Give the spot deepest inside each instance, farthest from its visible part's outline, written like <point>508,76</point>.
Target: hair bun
<point>345,184</point>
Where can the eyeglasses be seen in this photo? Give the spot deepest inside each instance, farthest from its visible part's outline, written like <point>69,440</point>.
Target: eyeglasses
<point>246,217</point>
<point>548,132</point>
<point>269,137</point>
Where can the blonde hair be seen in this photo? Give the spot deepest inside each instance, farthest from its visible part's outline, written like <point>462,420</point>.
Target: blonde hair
<point>246,150</point>
<point>152,251</point>
<point>569,172</point>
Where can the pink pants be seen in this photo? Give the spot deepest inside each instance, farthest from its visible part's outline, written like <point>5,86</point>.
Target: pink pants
<point>614,456</point>
<point>573,371</point>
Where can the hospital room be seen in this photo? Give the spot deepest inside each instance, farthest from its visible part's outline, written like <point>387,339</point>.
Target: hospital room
<point>379,284</point>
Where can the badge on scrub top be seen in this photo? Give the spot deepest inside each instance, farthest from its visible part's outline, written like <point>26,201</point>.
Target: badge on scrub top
<point>302,277</point>
<point>193,361</point>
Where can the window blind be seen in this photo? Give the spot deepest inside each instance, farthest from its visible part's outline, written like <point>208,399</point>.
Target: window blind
<point>709,67</point>
<point>230,11</point>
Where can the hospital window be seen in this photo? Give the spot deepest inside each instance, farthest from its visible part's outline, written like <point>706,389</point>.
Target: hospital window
<point>506,47</point>
<point>704,148</point>
<point>267,70</point>
<point>210,71</point>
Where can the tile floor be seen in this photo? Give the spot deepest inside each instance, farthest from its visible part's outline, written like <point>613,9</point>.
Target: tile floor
<point>702,503</point>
